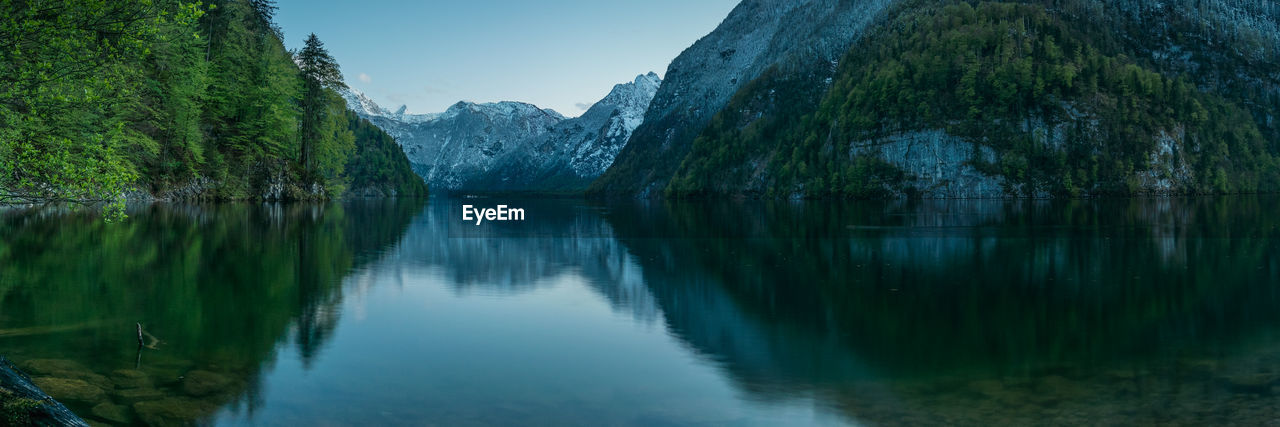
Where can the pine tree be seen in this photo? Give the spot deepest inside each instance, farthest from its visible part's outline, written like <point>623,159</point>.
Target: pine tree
<point>319,73</point>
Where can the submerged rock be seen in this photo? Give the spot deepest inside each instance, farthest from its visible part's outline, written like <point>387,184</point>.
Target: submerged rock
<point>69,369</point>
<point>204,383</point>
<point>129,378</point>
<point>1263,384</point>
<point>71,390</point>
<point>52,367</point>
<point>135,395</point>
<point>111,412</point>
<point>173,411</point>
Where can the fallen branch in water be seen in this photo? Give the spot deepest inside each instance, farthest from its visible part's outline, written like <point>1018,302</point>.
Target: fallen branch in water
<point>146,339</point>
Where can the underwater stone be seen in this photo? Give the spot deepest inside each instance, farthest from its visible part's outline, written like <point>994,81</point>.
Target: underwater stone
<point>173,410</point>
<point>204,383</point>
<point>129,378</point>
<point>1253,383</point>
<point>62,368</point>
<point>70,390</point>
<point>110,412</point>
<point>135,395</point>
<point>51,366</point>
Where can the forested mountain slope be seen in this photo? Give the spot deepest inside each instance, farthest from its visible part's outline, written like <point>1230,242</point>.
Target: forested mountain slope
<point>945,98</point>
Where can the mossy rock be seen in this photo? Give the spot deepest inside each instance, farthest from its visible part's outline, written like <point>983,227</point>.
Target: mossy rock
<point>129,378</point>
<point>70,390</point>
<point>993,389</point>
<point>1262,384</point>
<point>111,412</point>
<point>51,367</point>
<point>165,376</point>
<point>173,411</point>
<point>63,368</point>
<point>205,383</point>
<point>135,395</point>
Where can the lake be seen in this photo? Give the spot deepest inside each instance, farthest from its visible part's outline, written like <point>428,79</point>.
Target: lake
<point>1128,311</point>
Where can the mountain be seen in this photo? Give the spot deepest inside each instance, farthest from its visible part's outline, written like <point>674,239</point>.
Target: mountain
<point>513,146</point>
<point>452,147</point>
<point>575,151</point>
<point>359,103</point>
<point>463,141</point>
<point>942,98</point>
<point>757,35</point>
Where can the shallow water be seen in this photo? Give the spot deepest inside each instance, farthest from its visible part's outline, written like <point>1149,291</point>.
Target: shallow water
<point>399,313</point>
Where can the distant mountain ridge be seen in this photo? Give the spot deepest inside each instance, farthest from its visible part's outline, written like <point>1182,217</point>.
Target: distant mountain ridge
<point>575,151</point>
<point>513,146</point>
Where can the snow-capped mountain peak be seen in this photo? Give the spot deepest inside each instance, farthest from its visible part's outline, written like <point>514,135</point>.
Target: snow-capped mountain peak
<point>514,146</point>
<point>361,104</point>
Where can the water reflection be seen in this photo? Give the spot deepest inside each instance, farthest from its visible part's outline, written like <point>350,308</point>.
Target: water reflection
<point>982,312</point>
<point>951,312</point>
<point>221,286</point>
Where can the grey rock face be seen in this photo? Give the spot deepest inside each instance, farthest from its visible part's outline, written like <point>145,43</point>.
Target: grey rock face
<point>464,141</point>
<point>937,164</point>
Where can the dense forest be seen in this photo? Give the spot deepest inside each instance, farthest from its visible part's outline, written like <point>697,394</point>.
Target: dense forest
<point>177,99</point>
<point>1070,98</point>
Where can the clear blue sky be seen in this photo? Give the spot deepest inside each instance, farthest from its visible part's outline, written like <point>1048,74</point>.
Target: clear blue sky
<point>555,54</point>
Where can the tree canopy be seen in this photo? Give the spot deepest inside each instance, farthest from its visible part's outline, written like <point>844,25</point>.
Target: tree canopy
<point>174,98</point>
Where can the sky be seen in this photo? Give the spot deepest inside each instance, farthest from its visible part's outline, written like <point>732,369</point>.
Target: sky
<point>563,55</point>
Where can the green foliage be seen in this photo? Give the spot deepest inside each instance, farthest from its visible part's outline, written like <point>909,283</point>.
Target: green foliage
<point>169,106</point>
<point>98,97</point>
<point>65,75</point>
<point>252,110</point>
<point>16,411</point>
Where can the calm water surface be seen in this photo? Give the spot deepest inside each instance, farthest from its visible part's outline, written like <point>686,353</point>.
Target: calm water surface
<point>398,313</point>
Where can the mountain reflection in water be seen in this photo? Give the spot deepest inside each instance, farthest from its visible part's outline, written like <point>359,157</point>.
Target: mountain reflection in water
<point>959,312</point>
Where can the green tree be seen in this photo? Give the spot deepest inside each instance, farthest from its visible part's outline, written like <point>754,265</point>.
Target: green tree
<point>320,74</point>
<point>66,72</point>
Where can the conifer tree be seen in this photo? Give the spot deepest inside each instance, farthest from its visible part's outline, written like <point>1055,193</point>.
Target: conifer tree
<point>319,72</point>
